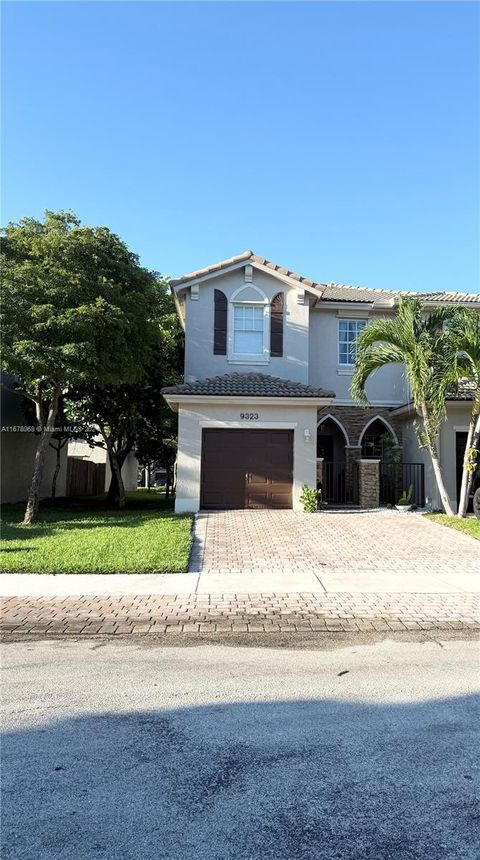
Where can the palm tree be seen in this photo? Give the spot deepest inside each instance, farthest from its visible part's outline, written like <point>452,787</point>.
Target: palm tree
<point>461,365</point>
<point>414,339</point>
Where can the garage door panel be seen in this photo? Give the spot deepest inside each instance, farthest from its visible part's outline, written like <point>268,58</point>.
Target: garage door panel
<point>255,478</point>
<point>247,469</point>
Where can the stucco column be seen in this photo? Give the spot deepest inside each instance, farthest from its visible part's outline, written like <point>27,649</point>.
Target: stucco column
<point>368,483</point>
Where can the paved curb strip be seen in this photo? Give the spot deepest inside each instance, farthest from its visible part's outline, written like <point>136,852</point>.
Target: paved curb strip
<point>240,613</point>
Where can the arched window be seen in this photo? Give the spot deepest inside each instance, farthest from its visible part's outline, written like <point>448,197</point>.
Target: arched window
<point>249,329</point>
<point>378,441</point>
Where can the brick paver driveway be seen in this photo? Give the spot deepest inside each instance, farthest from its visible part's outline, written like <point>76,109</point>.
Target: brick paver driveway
<point>283,572</point>
<point>239,541</point>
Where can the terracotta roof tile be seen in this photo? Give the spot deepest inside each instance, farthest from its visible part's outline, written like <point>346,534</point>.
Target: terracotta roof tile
<point>246,256</point>
<point>247,385</point>
<point>449,297</point>
<point>330,292</point>
<point>464,390</point>
<point>347,293</point>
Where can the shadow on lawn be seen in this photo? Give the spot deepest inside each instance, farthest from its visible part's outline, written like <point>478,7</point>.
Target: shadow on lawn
<point>48,528</point>
<point>83,514</point>
<point>300,780</point>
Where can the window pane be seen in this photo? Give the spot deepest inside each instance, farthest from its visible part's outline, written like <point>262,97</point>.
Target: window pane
<point>248,324</point>
<point>248,342</point>
<point>348,331</point>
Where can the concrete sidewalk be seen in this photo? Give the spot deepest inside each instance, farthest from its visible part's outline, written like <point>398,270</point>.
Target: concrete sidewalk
<point>327,580</point>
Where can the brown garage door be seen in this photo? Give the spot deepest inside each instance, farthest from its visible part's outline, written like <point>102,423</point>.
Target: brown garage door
<point>247,469</point>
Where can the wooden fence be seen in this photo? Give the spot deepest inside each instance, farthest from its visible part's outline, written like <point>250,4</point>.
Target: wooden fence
<point>85,478</point>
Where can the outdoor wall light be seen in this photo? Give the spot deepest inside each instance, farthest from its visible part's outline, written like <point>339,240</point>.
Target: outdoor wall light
<point>307,434</point>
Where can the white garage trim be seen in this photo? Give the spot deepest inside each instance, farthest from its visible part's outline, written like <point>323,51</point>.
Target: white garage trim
<point>251,425</point>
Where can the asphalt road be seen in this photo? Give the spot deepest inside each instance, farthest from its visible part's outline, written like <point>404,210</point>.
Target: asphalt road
<point>123,751</point>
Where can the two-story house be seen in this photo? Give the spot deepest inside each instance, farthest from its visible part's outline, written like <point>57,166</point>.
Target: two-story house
<point>266,405</point>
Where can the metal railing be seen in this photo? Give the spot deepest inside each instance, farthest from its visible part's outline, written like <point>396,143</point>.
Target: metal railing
<point>395,479</point>
<point>332,482</point>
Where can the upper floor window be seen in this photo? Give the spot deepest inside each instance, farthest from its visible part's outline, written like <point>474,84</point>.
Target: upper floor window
<point>248,329</point>
<point>248,326</point>
<point>348,331</point>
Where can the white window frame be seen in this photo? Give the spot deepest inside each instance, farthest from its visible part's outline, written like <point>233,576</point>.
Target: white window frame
<point>347,365</point>
<point>236,301</point>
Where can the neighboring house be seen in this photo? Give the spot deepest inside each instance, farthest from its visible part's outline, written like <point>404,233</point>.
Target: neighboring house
<point>18,447</point>
<point>266,406</point>
<point>80,450</point>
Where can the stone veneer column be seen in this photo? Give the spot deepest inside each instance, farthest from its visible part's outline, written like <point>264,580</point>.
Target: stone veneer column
<point>368,483</point>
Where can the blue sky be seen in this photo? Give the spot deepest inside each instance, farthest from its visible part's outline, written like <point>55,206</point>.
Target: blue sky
<point>338,139</point>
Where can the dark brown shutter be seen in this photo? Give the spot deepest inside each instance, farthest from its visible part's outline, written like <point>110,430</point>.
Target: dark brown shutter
<point>220,324</point>
<point>276,326</point>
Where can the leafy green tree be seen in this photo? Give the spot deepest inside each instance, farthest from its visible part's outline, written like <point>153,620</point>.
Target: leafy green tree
<point>133,414</point>
<point>156,445</point>
<point>76,310</point>
<point>416,340</point>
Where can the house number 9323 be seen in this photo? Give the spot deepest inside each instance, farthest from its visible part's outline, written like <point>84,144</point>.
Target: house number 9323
<point>249,416</point>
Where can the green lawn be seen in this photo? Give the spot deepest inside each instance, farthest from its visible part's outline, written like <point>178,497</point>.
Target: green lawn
<point>84,536</point>
<point>469,525</point>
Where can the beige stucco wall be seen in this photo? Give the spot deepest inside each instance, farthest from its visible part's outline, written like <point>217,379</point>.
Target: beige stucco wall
<point>129,473</point>
<point>200,362</point>
<point>77,448</point>
<point>310,353</point>
<point>458,415</point>
<point>412,453</point>
<point>458,419</point>
<point>193,419</point>
<point>386,387</point>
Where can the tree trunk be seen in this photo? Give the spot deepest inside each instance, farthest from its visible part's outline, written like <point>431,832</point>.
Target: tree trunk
<point>440,484</point>
<point>114,492</point>
<point>437,471</point>
<point>168,479</point>
<point>31,512</point>
<point>58,449</point>
<point>117,471</point>
<point>116,478</point>
<point>472,442</point>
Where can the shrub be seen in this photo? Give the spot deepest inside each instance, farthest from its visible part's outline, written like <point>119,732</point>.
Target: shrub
<point>309,499</point>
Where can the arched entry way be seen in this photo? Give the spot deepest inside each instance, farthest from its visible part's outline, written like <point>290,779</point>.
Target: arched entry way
<point>379,441</point>
<point>331,441</point>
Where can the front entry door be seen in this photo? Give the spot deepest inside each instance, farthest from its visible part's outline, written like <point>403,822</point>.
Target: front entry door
<point>246,469</point>
<point>460,445</point>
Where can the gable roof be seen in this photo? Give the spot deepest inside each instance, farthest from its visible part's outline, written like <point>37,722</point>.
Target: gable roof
<point>246,385</point>
<point>245,258</point>
<point>324,292</point>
